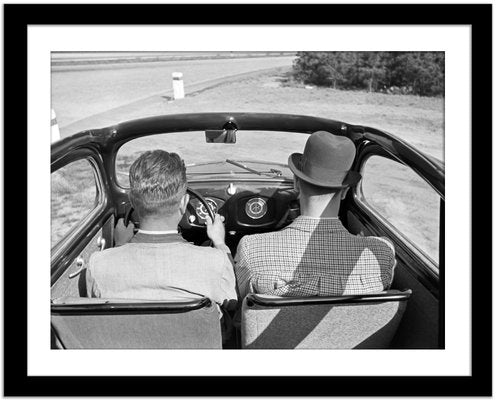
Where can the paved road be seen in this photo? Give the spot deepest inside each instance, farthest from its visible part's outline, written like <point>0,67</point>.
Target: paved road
<point>71,58</point>
<point>83,91</point>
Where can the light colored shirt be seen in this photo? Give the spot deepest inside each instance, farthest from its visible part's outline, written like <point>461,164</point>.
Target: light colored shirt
<point>157,232</point>
<point>161,267</point>
<point>313,257</point>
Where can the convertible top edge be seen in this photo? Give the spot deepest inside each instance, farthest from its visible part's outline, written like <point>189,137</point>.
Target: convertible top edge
<point>115,135</point>
<point>70,143</point>
<point>218,121</point>
<point>401,149</point>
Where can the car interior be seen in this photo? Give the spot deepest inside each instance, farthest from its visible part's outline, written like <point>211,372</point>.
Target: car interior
<point>324,322</point>
<point>405,316</point>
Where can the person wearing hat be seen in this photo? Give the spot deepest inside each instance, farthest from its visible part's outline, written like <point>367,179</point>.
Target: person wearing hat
<point>315,255</point>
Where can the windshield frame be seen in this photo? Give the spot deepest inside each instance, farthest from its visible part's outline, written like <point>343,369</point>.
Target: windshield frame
<point>117,136</point>
<point>242,175</point>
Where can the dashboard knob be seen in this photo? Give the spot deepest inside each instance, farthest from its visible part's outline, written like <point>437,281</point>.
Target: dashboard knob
<point>231,189</point>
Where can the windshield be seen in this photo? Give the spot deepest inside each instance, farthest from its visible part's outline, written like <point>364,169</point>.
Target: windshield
<point>256,154</point>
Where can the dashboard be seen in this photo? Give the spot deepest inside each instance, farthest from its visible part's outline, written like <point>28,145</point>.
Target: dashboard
<point>255,208</point>
<point>246,206</point>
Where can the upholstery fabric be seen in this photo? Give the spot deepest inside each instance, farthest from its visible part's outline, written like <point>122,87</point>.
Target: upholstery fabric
<point>323,326</point>
<point>151,265</point>
<point>313,257</point>
<point>196,329</point>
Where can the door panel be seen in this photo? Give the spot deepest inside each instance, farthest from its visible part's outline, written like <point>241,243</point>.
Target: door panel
<point>72,281</point>
<point>403,202</point>
<point>81,213</point>
<point>80,205</point>
<point>419,327</point>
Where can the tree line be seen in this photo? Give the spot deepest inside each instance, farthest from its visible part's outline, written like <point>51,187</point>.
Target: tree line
<point>420,73</point>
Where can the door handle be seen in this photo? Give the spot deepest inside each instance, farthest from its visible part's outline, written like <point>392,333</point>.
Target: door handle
<point>101,242</point>
<point>80,265</point>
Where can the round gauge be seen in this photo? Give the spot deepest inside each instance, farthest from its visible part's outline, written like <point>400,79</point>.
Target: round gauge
<point>202,211</point>
<point>256,208</point>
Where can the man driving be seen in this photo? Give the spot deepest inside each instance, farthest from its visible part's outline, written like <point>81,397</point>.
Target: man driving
<point>315,255</point>
<point>157,263</point>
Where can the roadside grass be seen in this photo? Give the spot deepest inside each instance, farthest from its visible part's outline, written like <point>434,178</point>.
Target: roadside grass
<point>406,201</point>
<point>418,120</point>
<point>73,196</point>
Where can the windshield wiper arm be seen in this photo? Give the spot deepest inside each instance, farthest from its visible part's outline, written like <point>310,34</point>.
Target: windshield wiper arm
<point>271,173</point>
<point>243,166</point>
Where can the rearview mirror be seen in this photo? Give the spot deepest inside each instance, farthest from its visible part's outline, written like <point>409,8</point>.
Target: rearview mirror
<point>221,136</point>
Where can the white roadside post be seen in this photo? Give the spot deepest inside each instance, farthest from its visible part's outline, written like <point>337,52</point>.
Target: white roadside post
<point>55,128</point>
<point>178,85</point>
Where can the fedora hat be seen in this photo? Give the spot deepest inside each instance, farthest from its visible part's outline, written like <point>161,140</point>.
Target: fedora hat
<point>326,161</point>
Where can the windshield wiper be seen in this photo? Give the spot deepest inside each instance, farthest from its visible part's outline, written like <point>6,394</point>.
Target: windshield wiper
<point>238,164</point>
<point>243,166</point>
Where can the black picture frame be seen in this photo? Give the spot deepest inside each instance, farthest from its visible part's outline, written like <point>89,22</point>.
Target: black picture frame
<point>18,17</point>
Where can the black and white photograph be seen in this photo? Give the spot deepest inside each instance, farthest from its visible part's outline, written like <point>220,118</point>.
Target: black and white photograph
<point>222,196</point>
<point>247,200</point>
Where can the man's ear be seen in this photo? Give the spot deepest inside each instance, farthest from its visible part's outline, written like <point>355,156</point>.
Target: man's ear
<point>344,192</point>
<point>183,204</point>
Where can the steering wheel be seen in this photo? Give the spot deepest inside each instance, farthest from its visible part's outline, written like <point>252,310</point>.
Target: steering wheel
<point>194,193</point>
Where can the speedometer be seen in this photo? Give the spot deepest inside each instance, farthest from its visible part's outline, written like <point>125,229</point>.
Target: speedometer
<point>202,211</point>
<point>256,208</point>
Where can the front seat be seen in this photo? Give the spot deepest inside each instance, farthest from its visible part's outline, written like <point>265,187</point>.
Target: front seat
<point>337,322</point>
<point>97,323</point>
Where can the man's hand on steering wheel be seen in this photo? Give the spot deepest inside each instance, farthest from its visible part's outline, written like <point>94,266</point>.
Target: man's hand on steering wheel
<point>217,232</point>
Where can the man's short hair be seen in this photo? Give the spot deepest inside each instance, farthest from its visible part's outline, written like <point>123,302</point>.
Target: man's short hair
<point>158,182</point>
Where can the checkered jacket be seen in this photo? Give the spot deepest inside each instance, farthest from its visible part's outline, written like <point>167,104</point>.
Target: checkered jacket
<point>313,257</point>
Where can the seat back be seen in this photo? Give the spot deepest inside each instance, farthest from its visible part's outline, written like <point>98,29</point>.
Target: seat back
<point>337,322</point>
<point>89,323</point>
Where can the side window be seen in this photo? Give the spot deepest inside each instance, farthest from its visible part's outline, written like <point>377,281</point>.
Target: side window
<point>405,201</point>
<point>74,194</point>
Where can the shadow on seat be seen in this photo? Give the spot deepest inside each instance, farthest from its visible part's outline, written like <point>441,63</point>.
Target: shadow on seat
<point>337,322</point>
<point>95,323</point>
